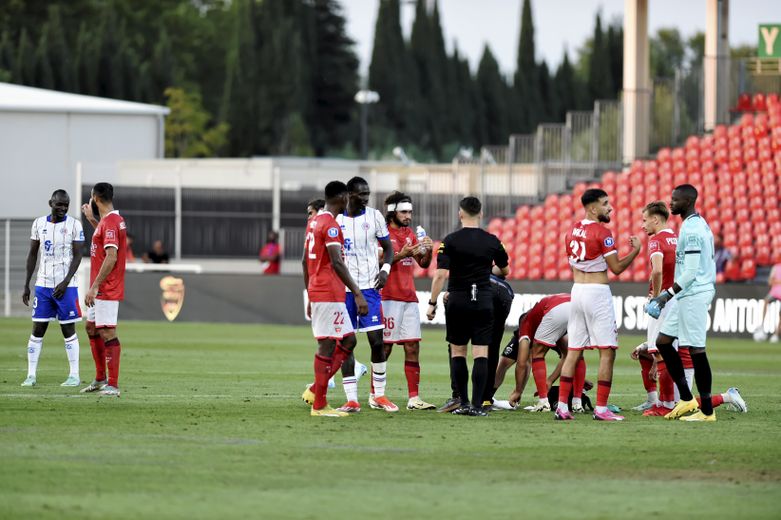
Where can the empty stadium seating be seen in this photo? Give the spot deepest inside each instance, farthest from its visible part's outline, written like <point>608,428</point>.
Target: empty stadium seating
<point>737,170</point>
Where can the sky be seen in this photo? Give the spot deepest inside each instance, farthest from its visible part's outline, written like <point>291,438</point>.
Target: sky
<point>558,24</point>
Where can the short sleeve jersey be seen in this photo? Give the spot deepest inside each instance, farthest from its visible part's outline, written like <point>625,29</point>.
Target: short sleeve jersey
<point>469,254</point>
<point>663,244</point>
<point>324,284</point>
<point>111,232</point>
<point>361,242</point>
<point>695,237</point>
<point>55,252</point>
<point>588,244</point>
<point>528,327</point>
<point>401,284</point>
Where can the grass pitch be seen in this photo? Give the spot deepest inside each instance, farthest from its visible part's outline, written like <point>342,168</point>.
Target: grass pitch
<point>210,425</point>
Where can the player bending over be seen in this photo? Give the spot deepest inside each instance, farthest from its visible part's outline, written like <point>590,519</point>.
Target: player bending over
<point>325,278</point>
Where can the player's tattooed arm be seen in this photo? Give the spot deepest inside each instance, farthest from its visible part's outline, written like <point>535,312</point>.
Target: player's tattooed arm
<point>32,259</point>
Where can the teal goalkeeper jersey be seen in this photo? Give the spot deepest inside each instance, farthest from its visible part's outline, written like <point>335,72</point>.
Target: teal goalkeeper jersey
<point>695,237</point>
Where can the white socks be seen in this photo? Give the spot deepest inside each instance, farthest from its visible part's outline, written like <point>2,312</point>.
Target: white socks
<point>653,397</point>
<point>577,403</point>
<point>689,373</point>
<point>563,407</point>
<point>72,351</point>
<point>350,387</point>
<point>34,346</point>
<point>378,378</point>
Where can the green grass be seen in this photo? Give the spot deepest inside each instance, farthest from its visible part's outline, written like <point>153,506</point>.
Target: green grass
<point>210,424</point>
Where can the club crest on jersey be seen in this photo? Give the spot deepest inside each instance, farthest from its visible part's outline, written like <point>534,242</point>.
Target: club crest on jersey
<point>609,242</point>
<point>172,298</point>
<point>365,226</point>
<point>110,235</point>
<point>333,232</point>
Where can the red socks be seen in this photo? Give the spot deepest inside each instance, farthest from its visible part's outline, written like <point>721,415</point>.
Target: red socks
<point>645,370</point>
<point>716,400</point>
<point>540,372</point>
<point>412,371</point>
<point>113,351</point>
<point>580,378</point>
<point>686,358</point>
<point>99,356</point>
<point>603,392</point>
<point>322,375</point>
<point>339,355</point>
<point>666,385</point>
<point>565,387</point>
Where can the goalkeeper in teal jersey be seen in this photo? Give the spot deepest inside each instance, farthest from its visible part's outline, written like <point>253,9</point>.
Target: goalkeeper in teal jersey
<point>695,275</point>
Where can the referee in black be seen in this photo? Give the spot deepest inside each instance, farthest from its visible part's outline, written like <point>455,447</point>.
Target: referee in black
<point>470,255</point>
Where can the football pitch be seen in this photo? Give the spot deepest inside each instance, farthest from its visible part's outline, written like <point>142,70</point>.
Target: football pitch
<point>210,425</point>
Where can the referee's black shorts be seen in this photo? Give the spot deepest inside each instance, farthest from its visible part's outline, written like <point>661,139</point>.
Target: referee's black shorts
<point>467,320</point>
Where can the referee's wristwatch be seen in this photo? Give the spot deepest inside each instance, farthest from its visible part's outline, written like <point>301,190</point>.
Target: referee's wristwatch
<point>432,303</point>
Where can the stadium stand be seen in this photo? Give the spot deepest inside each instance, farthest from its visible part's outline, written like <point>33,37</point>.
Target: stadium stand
<point>737,170</point>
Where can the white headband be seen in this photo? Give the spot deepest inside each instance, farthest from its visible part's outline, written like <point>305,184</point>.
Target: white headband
<point>400,206</point>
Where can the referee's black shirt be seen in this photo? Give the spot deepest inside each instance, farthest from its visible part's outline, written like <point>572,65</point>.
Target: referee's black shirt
<point>469,254</point>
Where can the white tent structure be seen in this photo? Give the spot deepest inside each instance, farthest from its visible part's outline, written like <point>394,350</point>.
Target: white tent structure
<point>44,134</point>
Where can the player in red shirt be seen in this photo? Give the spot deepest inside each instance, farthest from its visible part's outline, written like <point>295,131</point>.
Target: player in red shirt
<point>661,254</point>
<point>325,277</point>
<point>271,254</point>
<point>592,322</point>
<point>108,253</point>
<point>399,299</point>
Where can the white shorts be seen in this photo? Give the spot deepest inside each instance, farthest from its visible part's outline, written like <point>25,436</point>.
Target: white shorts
<point>655,325</point>
<point>104,313</point>
<point>402,321</point>
<point>330,320</point>
<point>553,325</point>
<point>592,320</point>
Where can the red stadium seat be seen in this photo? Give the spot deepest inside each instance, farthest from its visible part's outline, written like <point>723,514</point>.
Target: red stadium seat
<point>747,120</point>
<point>748,269</point>
<point>758,103</point>
<point>744,103</point>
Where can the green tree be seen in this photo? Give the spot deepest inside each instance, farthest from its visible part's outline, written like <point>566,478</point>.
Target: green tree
<point>86,63</point>
<point>566,86</point>
<point>59,52</point>
<point>188,128</point>
<point>44,76</point>
<point>667,53</point>
<point>615,51</point>
<point>526,79</point>
<point>6,57</point>
<point>334,79</point>
<point>492,122</point>
<point>600,82</point>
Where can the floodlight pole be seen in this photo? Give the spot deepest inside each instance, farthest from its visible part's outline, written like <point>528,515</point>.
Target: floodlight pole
<point>365,98</point>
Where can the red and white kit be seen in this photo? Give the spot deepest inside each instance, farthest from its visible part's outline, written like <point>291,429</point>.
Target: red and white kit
<point>662,244</point>
<point>546,322</point>
<point>325,289</point>
<point>399,299</point>
<point>111,231</point>
<point>592,322</point>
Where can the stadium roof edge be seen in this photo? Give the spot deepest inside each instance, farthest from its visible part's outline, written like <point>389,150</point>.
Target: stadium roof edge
<point>20,98</point>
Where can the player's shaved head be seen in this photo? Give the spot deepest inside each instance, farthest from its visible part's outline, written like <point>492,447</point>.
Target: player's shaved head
<point>591,196</point>
<point>471,206</point>
<point>60,194</point>
<point>687,191</point>
<point>334,190</point>
<point>354,183</point>
<point>657,208</point>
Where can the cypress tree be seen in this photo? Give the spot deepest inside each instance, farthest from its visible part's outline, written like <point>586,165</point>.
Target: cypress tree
<point>492,90</point>
<point>420,49</point>
<point>334,79</point>
<point>44,77</point>
<point>550,100</point>
<point>600,82</point>
<point>86,63</point>
<point>526,82</point>
<point>24,66</point>
<point>161,66</point>
<point>565,83</point>
<point>239,104</point>
<point>6,57</point>
<point>59,55</point>
<point>615,49</point>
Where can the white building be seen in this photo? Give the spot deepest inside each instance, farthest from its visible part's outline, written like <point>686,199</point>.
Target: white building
<point>44,134</point>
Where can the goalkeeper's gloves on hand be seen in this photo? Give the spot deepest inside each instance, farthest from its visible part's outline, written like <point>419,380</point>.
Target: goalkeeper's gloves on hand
<point>655,306</point>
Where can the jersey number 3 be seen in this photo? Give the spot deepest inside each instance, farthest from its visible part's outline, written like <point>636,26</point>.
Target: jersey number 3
<point>578,250</point>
